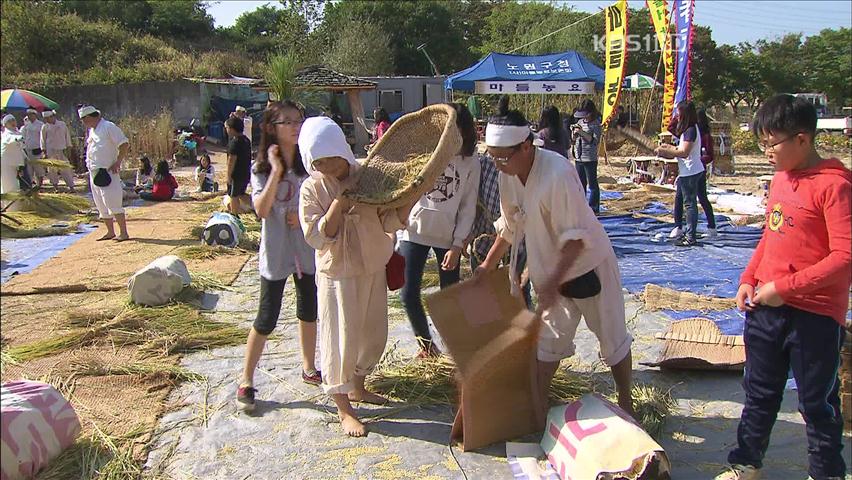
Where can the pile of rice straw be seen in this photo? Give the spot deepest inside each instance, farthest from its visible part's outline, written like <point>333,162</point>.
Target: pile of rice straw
<point>382,181</point>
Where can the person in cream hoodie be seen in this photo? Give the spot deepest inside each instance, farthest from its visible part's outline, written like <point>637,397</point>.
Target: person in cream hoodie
<point>441,221</point>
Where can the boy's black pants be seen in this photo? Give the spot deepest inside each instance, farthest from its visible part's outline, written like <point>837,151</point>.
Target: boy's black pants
<point>777,339</point>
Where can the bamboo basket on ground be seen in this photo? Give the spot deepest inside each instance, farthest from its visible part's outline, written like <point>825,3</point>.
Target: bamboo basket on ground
<point>405,163</point>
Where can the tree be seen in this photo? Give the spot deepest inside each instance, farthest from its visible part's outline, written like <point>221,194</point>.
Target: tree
<point>827,65</point>
<point>262,21</point>
<point>180,19</point>
<point>707,69</point>
<point>362,49</point>
<point>132,14</point>
<point>409,25</point>
<point>781,60</point>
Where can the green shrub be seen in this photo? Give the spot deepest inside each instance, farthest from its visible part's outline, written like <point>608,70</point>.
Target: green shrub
<point>744,142</point>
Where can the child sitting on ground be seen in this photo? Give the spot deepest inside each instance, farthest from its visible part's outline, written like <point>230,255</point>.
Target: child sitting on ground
<point>143,175</point>
<point>164,184</point>
<point>205,175</point>
<point>353,244</point>
<point>795,292</point>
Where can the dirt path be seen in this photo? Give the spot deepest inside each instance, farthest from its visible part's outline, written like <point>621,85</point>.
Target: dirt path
<point>157,229</point>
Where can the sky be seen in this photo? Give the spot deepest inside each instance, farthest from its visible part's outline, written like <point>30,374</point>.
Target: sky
<point>732,21</point>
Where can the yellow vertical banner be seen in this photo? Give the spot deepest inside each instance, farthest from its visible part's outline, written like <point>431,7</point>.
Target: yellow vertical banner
<point>616,57</point>
<point>660,17</point>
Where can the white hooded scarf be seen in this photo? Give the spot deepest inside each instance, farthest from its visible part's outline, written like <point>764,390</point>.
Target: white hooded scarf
<point>321,137</point>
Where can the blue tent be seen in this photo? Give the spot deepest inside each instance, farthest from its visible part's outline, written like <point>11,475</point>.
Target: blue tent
<point>568,66</point>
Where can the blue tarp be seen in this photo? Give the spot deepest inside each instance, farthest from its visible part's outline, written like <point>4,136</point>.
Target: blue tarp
<point>23,255</point>
<point>646,256</point>
<point>569,66</point>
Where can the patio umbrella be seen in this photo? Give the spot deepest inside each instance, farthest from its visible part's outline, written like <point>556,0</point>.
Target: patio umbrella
<point>637,81</point>
<point>17,99</point>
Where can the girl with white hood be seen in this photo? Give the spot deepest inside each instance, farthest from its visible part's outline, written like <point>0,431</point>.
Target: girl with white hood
<point>441,221</point>
<point>353,245</point>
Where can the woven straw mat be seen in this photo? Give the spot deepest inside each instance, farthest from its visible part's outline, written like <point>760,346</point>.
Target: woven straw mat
<point>429,131</point>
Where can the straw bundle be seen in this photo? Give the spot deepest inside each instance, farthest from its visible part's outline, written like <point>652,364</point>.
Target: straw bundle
<point>152,136</point>
<point>637,138</point>
<point>432,381</point>
<point>50,163</point>
<point>662,298</point>
<point>408,159</point>
<point>94,366</point>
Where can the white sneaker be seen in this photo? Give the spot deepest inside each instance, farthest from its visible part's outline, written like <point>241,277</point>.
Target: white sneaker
<point>677,232</point>
<point>739,472</point>
<point>711,233</point>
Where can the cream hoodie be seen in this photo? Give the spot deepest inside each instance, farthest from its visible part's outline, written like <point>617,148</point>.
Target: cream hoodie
<point>444,216</point>
<point>363,244</point>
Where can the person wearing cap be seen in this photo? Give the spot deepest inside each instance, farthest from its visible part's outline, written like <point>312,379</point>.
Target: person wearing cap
<point>32,143</point>
<point>106,148</point>
<point>241,113</point>
<point>55,141</point>
<point>586,133</point>
<point>571,262</point>
<point>11,155</point>
<point>353,244</point>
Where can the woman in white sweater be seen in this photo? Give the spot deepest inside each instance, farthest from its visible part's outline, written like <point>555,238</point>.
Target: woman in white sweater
<point>441,221</point>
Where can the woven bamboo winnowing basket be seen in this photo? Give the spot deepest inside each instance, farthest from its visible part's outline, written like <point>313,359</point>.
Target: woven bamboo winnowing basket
<point>429,131</point>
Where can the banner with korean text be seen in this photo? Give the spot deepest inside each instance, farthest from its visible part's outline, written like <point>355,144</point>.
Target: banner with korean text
<point>684,10</point>
<point>616,57</point>
<point>661,20</point>
<point>560,87</point>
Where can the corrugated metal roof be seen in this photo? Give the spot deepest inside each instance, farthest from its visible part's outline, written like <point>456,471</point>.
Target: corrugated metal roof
<point>314,76</point>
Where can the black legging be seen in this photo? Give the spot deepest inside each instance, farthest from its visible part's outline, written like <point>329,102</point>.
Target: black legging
<point>702,199</point>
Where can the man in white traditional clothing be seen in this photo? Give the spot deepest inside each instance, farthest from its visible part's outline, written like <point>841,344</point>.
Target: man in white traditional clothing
<point>571,262</point>
<point>55,141</point>
<point>32,144</point>
<point>11,155</point>
<point>106,148</point>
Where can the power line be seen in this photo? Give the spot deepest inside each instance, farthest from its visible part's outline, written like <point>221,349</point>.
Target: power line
<point>772,14</point>
<point>554,32</point>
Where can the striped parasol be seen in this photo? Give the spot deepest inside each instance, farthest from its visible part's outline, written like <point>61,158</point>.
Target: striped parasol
<point>18,99</point>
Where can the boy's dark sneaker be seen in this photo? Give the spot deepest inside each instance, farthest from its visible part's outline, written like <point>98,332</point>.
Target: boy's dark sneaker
<point>245,398</point>
<point>314,378</point>
<point>686,242</point>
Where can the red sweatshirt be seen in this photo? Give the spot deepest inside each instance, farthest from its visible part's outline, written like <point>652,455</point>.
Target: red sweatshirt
<point>165,189</point>
<point>806,247</point>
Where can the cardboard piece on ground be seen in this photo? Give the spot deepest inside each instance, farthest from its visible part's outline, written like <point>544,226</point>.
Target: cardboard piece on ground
<point>159,281</point>
<point>698,344</point>
<point>494,348</point>
<point>593,439</point>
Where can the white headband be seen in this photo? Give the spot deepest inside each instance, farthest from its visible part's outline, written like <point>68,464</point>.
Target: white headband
<point>8,118</point>
<point>48,113</point>
<point>505,135</point>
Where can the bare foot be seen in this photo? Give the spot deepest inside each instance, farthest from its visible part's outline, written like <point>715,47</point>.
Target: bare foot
<point>365,396</point>
<point>122,238</point>
<point>352,426</point>
<point>107,236</point>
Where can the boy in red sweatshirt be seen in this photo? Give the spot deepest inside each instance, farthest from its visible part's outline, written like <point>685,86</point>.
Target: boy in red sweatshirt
<point>795,291</point>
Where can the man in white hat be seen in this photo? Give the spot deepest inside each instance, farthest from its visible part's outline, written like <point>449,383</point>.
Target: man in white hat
<point>241,113</point>
<point>571,262</point>
<point>55,141</point>
<point>106,148</point>
<point>11,155</point>
<point>32,143</point>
